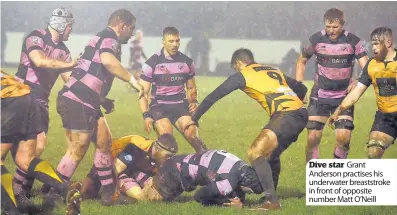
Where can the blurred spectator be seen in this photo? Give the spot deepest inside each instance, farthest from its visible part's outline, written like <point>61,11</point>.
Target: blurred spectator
<point>198,49</point>
<point>136,54</point>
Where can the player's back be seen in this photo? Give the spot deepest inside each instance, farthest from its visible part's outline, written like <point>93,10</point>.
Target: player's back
<point>90,80</point>
<point>210,166</point>
<point>12,86</point>
<point>268,86</point>
<point>141,142</point>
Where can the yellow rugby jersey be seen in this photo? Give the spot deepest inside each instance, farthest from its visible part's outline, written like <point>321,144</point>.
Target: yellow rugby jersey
<point>269,88</point>
<point>141,142</point>
<point>267,85</point>
<point>383,76</point>
<point>12,87</point>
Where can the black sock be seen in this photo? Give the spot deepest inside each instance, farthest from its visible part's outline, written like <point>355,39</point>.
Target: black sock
<point>264,172</point>
<point>43,171</point>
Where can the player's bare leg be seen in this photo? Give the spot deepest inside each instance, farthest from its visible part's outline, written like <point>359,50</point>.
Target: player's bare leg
<point>163,126</point>
<point>20,176</point>
<point>103,161</point>
<point>259,155</point>
<point>343,131</point>
<point>41,143</point>
<point>315,128</point>
<point>189,129</point>
<point>378,143</point>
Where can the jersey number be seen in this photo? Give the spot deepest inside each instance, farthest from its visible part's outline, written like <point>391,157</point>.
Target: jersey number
<point>276,76</point>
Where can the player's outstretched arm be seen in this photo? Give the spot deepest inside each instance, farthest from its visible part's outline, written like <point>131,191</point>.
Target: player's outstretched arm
<point>234,82</point>
<point>349,101</point>
<point>297,86</point>
<point>113,65</point>
<point>41,61</point>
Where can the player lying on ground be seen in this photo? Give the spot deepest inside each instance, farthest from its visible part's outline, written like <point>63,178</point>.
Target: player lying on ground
<point>19,129</point>
<point>224,178</point>
<point>281,97</point>
<point>132,155</point>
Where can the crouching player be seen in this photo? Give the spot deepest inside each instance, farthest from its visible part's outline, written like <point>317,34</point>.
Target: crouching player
<point>19,129</point>
<point>136,158</point>
<point>224,178</point>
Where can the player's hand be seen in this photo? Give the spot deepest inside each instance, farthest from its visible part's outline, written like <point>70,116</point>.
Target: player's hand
<point>138,88</point>
<point>108,105</point>
<point>193,107</point>
<point>74,62</point>
<point>148,124</point>
<point>332,119</point>
<point>351,86</point>
<point>234,203</point>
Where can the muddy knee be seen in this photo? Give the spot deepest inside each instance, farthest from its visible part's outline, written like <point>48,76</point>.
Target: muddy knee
<point>191,134</point>
<point>376,148</point>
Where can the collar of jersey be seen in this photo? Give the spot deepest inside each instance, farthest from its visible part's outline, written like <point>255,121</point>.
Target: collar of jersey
<point>114,33</point>
<point>48,34</point>
<point>167,57</point>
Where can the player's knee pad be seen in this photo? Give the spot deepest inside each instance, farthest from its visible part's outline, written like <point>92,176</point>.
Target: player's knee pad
<point>376,143</point>
<point>344,124</point>
<point>379,147</point>
<point>315,125</point>
<point>189,128</point>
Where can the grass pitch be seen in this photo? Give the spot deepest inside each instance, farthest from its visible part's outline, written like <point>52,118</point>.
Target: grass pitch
<point>231,124</point>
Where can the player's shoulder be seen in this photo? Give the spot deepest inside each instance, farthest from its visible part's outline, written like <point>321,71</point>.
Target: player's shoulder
<point>141,142</point>
<point>152,60</point>
<point>107,33</point>
<point>316,37</point>
<point>351,38</point>
<point>184,58</point>
<point>37,33</point>
<point>371,63</point>
<point>63,47</point>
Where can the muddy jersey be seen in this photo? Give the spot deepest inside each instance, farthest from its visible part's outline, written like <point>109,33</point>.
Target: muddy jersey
<point>90,80</point>
<point>41,80</point>
<point>334,64</point>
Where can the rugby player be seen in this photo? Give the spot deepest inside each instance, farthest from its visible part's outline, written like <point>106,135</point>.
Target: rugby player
<point>224,178</point>
<point>335,49</point>
<point>132,155</point>
<point>19,128</point>
<point>167,73</point>
<point>79,101</point>
<point>44,57</point>
<point>281,97</point>
<point>381,72</point>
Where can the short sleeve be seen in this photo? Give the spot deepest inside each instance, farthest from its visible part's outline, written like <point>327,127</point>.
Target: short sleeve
<point>110,45</point>
<point>34,42</point>
<point>364,77</point>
